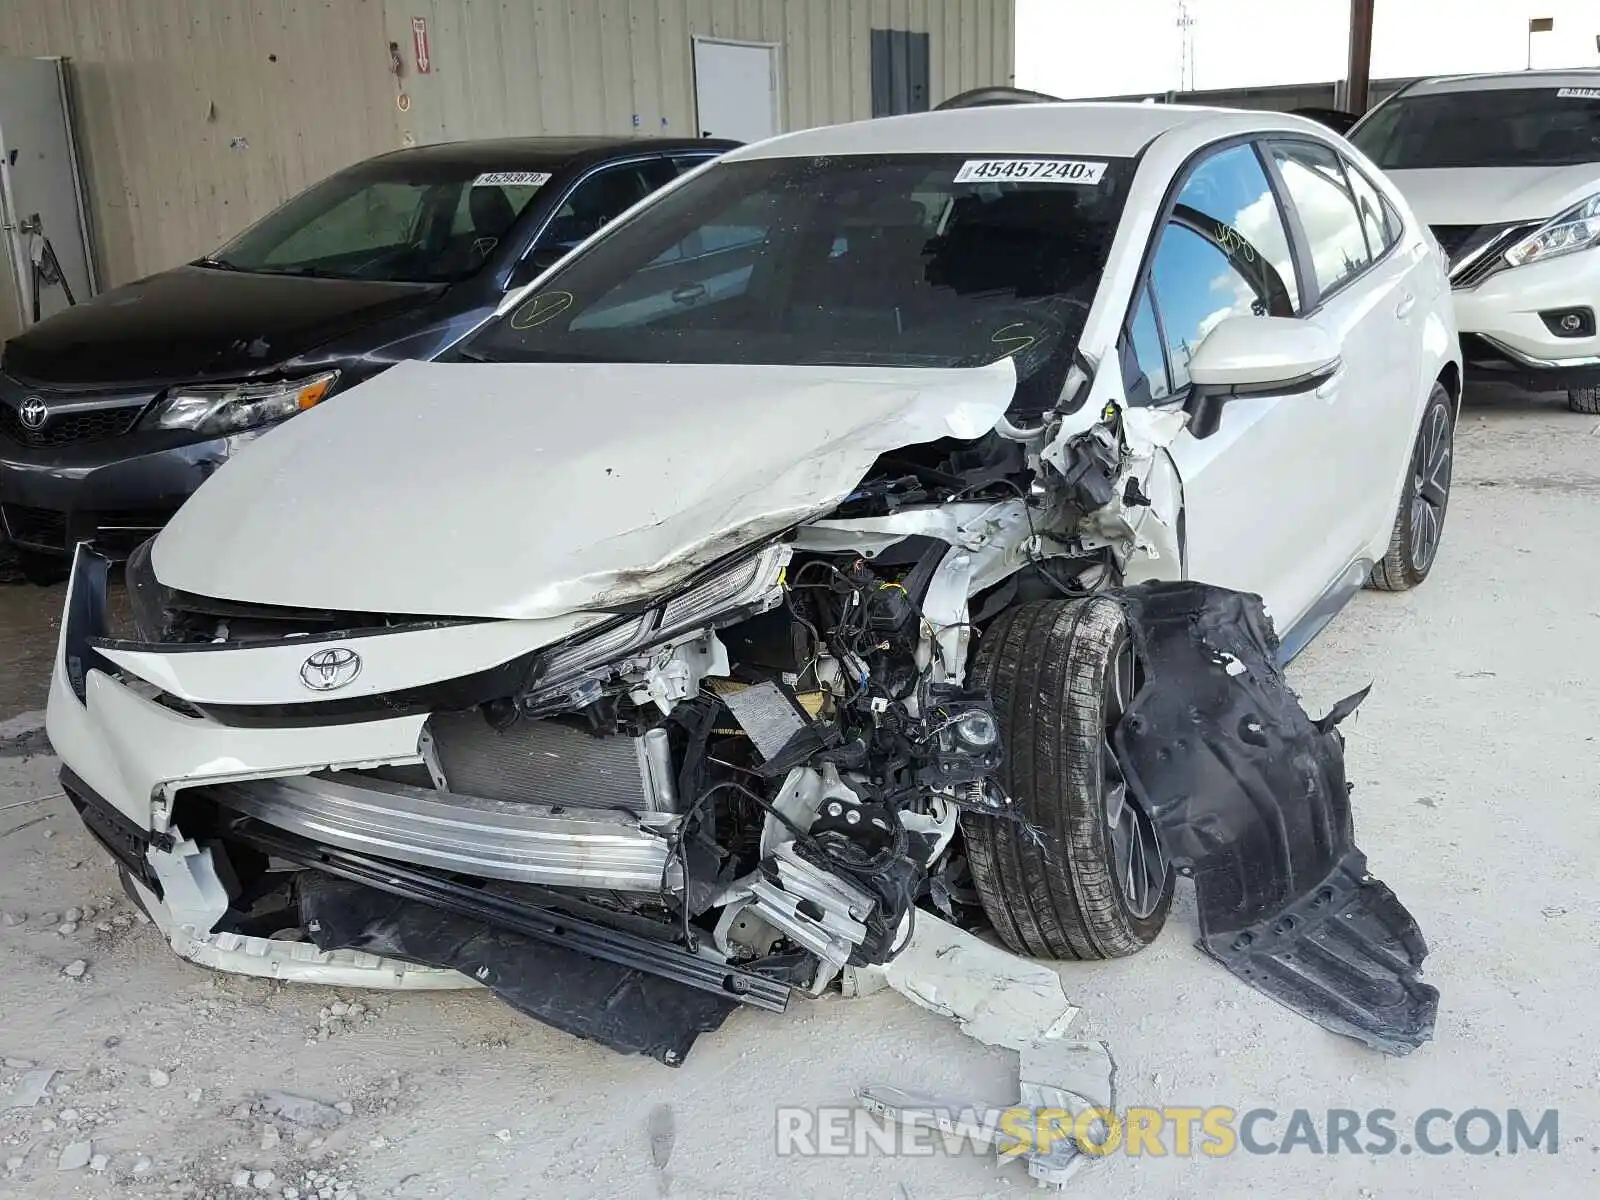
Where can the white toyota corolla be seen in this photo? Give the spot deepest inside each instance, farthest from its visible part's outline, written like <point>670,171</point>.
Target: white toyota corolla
<point>1506,171</point>
<point>860,523</point>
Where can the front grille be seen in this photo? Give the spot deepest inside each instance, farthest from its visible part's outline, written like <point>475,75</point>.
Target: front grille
<point>61,429</point>
<point>1492,259</point>
<point>539,762</point>
<point>1452,238</point>
<point>1475,251</point>
<point>35,526</point>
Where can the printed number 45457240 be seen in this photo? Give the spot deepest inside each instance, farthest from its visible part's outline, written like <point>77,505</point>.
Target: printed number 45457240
<point>1030,170</point>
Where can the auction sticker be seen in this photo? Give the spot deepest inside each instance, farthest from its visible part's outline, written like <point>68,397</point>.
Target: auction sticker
<point>1030,170</point>
<point>512,179</point>
<point>1578,93</point>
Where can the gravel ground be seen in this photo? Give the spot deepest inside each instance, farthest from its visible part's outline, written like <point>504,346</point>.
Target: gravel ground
<point>1475,767</point>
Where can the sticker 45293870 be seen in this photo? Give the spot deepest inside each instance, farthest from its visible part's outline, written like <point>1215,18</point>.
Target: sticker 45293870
<point>512,179</point>
<point>1030,170</point>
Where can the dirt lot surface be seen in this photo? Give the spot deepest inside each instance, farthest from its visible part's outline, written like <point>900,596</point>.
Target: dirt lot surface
<point>1477,776</point>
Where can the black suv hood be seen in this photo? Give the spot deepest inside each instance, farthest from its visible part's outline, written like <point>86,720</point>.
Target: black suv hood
<point>198,322</point>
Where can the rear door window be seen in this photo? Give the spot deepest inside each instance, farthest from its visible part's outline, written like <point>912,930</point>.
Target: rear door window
<point>602,198</point>
<point>1380,222</point>
<point>1322,197</point>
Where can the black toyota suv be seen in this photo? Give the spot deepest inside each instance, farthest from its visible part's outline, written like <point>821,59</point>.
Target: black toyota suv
<point>113,412</point>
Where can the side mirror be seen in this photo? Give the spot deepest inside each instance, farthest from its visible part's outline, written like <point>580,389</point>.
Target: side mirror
<point>1256,356</point>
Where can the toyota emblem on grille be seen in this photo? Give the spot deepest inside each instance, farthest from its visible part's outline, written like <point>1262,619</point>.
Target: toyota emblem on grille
<point>328,670</point>
<point>34,412</point>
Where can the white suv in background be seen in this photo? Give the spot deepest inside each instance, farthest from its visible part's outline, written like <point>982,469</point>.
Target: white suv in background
<point>1505,169</point>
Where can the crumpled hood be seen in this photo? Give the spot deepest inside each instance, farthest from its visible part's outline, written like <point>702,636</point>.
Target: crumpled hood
<point>528,490</point>
<point>1493,195</point>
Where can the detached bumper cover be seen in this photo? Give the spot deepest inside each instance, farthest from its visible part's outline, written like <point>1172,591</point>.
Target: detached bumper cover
<point>1249,794</point>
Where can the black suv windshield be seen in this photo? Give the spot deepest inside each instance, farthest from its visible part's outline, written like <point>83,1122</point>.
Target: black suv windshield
<point>1496,127</point>
<point>871,261</point>
<point>418,222</point>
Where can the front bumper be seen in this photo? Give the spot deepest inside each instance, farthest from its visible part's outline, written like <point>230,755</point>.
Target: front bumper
<point>123,755</point>
<point>115,493</point>
<point>1504,333</point>
<point>180,799</point>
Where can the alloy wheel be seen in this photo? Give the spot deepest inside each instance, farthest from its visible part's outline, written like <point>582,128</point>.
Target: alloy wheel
<point>1430,486</point>
<point>1136,854</point>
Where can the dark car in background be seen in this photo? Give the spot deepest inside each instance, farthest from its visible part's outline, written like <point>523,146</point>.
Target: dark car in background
<point>113,412</point>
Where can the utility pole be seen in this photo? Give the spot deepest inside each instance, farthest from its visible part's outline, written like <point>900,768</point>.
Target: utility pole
<point>1358,72</point>
<point>1185,48</point>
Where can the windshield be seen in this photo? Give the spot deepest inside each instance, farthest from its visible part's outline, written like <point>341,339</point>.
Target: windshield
<point>920,261</point>
<point>414,222</point>
<point>1499,127</point>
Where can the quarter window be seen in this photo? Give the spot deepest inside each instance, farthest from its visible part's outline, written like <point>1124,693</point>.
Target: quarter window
<point>1382,232</point>
<point>1148,356</point>
<point>1321,194</point>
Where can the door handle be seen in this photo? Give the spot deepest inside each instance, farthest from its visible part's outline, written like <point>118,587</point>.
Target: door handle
<point>1403,309</point>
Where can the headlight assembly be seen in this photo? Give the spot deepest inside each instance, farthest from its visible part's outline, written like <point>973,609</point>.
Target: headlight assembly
<point>753,584</point>
<point>1576,229</point>
<point>230,407</point>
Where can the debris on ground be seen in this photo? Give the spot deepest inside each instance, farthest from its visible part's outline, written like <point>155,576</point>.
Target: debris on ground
<point>301,1110</point>
<point>75,1156</point>
<point>339,1017</point>
<point>31,1088</point>
<point>1058,1082</point>
<point>997,997</point>
<point>75,969</point>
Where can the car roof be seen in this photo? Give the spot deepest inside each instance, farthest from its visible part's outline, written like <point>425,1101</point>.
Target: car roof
<point>1504,81</point>
<point>1111,130</point>
<point>543,153</point>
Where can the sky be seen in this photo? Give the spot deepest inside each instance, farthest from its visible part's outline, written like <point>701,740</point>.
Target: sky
<point>1097,48</point>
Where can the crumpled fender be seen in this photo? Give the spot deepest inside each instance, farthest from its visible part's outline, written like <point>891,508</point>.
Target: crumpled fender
<point>1249,795</point>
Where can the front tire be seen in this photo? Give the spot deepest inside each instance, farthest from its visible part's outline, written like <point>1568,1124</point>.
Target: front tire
<point>1419,523</point>
<point>1085,877</point>
<point>1584,400</point>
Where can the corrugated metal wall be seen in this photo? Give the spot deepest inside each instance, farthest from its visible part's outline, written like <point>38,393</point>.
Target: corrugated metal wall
<point>620,66</point>
<point>196,117</point>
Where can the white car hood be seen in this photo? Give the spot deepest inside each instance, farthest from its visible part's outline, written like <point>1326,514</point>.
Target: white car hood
<point>1494,195</point>
<point>529,490</point>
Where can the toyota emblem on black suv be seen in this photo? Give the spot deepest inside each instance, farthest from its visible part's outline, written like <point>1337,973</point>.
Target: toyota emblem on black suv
<point>330,669</point>
<point>34,412</point>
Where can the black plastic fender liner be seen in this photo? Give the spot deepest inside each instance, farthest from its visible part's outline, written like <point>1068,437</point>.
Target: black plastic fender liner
<point>1249,795</point>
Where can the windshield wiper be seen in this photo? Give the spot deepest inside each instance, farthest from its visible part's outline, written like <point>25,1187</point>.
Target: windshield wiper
<point>216,264</point>
<point>304,272</point>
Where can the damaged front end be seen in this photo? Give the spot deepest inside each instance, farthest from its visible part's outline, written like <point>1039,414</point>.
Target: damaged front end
<point>720,795</point>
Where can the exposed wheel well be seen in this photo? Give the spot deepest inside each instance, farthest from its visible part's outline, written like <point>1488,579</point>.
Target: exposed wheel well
<point>1451,378</point>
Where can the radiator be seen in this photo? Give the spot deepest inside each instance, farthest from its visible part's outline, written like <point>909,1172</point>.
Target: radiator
<point>543,762</point>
